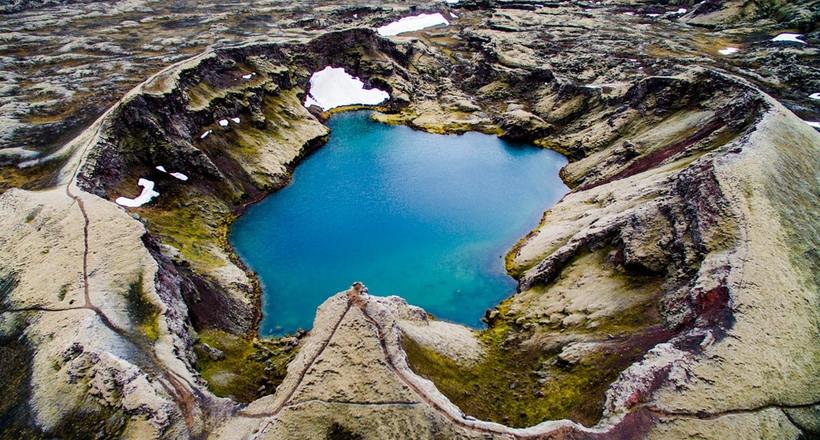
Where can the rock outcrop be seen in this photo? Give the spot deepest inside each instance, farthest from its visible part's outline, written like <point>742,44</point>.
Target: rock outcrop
<point>672,293</point>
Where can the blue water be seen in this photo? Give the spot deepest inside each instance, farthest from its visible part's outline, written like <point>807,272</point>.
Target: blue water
<point>427,217</point>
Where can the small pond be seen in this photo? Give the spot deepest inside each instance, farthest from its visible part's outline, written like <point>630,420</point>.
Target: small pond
<point>427,217</point>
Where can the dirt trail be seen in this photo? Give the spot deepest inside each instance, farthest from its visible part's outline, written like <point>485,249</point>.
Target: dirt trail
<point>174,384</point>
<point>361,303</point>
<point>391,364</point>
<point>285,403</point>
<point>473,425</point>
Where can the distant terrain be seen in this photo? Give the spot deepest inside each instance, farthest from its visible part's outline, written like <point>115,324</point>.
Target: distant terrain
<point>672,293</point>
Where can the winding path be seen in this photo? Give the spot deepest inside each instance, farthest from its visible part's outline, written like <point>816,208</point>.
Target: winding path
<point>461,420</point>
<point>361,304</point>
<point>184,394</point>
<point>285,403</point>
<point>190,402</point>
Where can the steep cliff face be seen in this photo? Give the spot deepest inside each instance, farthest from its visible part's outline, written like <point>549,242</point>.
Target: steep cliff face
<point>671,293</point>
<point>231,165</point>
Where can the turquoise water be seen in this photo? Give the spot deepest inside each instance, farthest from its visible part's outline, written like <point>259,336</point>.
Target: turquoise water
<point>427,217</point>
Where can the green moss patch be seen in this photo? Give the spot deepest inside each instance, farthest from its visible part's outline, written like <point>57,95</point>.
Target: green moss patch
<point>63,291</point>
<point>192,222</point>
<point>339,432</point>
<point>791,187</point>
<point>522,385</point>
<point>144,314</point>
<point>31,178</point>
<point>248,369</point>
<point>8,282</point>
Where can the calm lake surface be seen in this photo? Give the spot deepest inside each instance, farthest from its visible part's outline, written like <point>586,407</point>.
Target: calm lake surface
<point>427,217</point>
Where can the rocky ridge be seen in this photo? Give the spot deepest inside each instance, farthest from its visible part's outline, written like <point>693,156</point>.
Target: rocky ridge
<point>689,205</point>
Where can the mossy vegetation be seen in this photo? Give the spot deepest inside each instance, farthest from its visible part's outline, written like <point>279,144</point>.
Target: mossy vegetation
<point>189,221</point>
<point>247,368</point>
<point>16,415</point>
<point>632,293</point>
<point>450,122</point>
<point>284,117</point>
<point>516,269</point>
<point>15,363</point>
<point>143,313</point>
<point>629,320</point>
<point>522,380</point>
<point>33,214</point>
<point>31,178</point>
<point>63,291</point>
<point>399,118</point>
<point>201,95</point>
<point>550,144</point>
<point>516,385</point>
<point>790,185</point>
<point>8,282</point>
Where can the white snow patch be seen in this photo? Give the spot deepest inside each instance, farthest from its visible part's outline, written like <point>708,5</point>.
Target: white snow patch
<point>235,120</point>
<point>815,95</point>
<point>681,11</point>
<point>179,176</point>
<point>248,76</point>
<point>629,13</point>
<point>813,123</point>
<point>355,15</point>
<point>223,122</point>
<point>453,14</point>
<point>728,51</point>
<point>413,23</point>
<point>204,135</point>
<point>794,38</point>
<point>451,2</point>
<point>653,15</point>
<point>333,87</point>
<point>145,196</point>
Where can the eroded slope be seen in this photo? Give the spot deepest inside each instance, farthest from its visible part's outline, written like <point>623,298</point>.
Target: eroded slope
<point>643,292</point>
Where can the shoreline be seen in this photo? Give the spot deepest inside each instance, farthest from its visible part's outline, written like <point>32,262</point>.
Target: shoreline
<point>320,142</point>
<point>626,288</point>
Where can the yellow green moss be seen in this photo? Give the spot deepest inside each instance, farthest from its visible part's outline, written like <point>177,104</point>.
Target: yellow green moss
<point>248,364</point>
<point>32,178</point>
<point>83,416</point>
<point>514,268</point>
<point>191,222</point>
<point>452,123</point>
<point>201,94</point>
<point>551,144</point>
<point>629,320</point>
<point>63,291</point>
<point>504,386</point>
<point>400,118</point>
<point>143,313</point>
<point>246,144</point>
<point>522,384</point>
